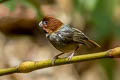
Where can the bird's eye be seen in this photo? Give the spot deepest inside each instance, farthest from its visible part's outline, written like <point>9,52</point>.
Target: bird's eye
<point>45,22</point>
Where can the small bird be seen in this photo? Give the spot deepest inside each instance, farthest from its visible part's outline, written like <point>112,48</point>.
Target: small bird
<point>63,37</point>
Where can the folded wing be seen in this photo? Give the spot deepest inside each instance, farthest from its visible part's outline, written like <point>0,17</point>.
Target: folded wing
<point>80,37</point>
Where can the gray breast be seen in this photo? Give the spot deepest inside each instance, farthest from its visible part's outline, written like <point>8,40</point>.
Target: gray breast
<point>62,39</point>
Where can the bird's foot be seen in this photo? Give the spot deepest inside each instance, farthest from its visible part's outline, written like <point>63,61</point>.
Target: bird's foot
<point>54,59</point>
<point>70,57</point>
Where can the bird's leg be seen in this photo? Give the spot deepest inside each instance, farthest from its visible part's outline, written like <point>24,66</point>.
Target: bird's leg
<point>70,57</point>
<point>56,57</point>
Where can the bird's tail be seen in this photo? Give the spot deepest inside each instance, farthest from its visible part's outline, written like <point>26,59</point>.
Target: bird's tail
<point>91,43</point>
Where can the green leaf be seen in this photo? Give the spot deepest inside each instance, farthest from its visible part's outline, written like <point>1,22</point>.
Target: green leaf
<point>102,17</point>
<point>11,4</point>
<point>109,67</point>
<point>84,6</point>
<point>117,32</point>
<point>1,1</point>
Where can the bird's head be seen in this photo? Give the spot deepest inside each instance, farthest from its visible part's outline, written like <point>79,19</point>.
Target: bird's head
<point>50,24</point>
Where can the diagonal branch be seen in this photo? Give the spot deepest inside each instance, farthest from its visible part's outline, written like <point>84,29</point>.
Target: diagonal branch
<point>29,66</point>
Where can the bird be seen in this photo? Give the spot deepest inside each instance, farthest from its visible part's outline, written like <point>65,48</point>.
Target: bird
<point>64,37</point>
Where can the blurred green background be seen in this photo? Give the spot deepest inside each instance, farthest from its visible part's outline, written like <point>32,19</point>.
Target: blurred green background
<point>21,39</point>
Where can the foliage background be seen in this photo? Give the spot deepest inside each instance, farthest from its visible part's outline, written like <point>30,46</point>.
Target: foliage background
<point>21,39</point>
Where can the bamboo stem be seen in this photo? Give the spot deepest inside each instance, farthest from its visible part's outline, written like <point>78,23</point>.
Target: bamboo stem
<point>29,66</point>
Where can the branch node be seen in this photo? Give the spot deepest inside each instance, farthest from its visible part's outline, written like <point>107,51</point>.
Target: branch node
<point>114,52</point>
<point>27,66</point>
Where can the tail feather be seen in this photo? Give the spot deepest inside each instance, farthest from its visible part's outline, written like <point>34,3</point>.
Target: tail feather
<point>92,43</point>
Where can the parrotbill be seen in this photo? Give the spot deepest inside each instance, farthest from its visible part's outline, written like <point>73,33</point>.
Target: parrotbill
<point>64,37</point>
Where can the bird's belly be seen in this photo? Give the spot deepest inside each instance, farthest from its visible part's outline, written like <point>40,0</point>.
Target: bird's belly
<point>63,45</point>
<point>69,48</point>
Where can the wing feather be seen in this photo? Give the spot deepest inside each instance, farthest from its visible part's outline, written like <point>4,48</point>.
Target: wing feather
<point>80,37</point>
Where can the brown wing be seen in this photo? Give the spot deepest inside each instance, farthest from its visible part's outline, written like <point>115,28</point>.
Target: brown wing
<point>80,37</point>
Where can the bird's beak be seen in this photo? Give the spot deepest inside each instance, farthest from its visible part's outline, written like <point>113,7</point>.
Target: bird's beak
<point>41,24</point>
